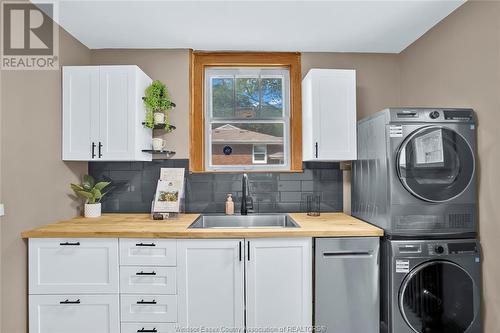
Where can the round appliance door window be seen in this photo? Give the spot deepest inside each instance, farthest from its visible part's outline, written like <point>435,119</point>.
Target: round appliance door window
<point>435,164</point>
<point>437,297</point>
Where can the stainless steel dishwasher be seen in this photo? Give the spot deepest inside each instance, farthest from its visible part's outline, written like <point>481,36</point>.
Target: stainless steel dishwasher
<point>347,285</point>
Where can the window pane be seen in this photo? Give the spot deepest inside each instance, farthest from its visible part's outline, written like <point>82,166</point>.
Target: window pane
<point>247,97</point>
<point>223,97</point>
<point>233,144</point>
<point>272,97</point>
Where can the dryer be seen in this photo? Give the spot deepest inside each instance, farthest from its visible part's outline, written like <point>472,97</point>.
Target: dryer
<point>430,286</point>
<point>415,173</point>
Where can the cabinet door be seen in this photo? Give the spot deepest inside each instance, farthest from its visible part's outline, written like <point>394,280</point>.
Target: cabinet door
<point>117,107</point>
<point>279,282</point>
<point>335,121</point>
<point>148,251</point>
<point>210,283</point>
<point>74,313</point>
<point>63,266</point>
<point>329,115</point>
<point>80,112</point>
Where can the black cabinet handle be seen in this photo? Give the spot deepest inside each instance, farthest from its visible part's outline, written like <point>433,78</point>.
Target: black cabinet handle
<point>240,249</point>
<point>145,244</point>
<point>145,273</point>
<point>248,250</point>
<point>142,330</point>
<point>316,148</point>
<point>146,302</point>
<point>70,302</point>
<point>93,149</point>
<point>69,244</point>
<point>100,146</point>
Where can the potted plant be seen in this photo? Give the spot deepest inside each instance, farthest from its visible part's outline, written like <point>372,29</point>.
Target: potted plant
<point>158,103</point>
<point>92,193</point>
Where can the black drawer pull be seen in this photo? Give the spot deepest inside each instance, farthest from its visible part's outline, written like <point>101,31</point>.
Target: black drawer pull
<point>70,302</point>
<point>142,330</point>
<point>145,273</point>
<point>146,302</point>
<point>69,244</point>
<point>145,244</point>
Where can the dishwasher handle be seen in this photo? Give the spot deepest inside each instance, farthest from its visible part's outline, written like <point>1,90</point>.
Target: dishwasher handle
<point>347,254</point>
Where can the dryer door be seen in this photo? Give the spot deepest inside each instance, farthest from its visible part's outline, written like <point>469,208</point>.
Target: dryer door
<point>438,297</point>
<point>435,163</point>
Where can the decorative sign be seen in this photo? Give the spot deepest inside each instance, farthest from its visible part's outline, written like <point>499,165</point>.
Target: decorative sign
<point>227,150</point>
<point>169,191</point>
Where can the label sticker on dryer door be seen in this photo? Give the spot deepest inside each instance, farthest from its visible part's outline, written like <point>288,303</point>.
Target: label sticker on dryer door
<point>402,266</point>
<point>396,131</point>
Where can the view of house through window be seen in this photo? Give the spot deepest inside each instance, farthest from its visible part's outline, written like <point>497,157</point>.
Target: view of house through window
<point>247,118</point>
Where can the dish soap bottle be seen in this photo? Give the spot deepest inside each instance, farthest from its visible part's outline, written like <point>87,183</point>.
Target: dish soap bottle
<point>229,205</point>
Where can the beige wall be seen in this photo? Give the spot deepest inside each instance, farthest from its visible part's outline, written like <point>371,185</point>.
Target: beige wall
<point>377,84</point>
<point>35,182</point>
<point>457,63</point>
<point>169,66</point>
<point>377,76</point>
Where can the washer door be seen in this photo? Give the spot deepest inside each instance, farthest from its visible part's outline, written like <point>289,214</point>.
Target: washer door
<point>437,297</point>
<point>435,164</point>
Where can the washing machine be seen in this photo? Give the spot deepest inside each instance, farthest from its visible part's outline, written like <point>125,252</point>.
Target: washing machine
<point>430,286</point>
<point>415,172</point>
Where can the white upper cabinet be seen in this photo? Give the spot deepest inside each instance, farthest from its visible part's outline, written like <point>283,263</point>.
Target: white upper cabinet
<point>279,282</point>
<point>103,114</point>
<point>329,115</point>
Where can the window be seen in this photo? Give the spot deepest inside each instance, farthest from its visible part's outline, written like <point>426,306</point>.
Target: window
<point>247,109</point>
<point>259,154</point>
<point>245,112</point>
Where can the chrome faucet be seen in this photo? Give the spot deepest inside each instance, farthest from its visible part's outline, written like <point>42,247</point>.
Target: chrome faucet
<point>246,199</point>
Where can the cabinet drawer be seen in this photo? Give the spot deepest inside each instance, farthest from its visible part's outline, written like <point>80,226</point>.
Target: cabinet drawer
<point>148,328</point>
<point>74,313</point>
<point>156,252</point>
<point>148,280</point>
<point>149,308</point>
<point>65,266</point>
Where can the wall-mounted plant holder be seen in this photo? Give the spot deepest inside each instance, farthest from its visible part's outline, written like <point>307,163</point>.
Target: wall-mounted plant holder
<point>168,128</point>
<point>166,154</point>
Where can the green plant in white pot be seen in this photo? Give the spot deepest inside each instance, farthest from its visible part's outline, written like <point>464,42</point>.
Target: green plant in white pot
<point>92,193</point>
<point>158,103</point>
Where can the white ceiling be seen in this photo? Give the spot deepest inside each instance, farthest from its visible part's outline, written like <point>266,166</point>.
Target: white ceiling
<point>337,26</point>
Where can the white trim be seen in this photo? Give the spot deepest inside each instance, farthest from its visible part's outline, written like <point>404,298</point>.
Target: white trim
<point>254,161</point>
<point>264,72</point>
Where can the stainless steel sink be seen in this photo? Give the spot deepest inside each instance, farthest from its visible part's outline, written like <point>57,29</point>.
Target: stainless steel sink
<point>244,221</point>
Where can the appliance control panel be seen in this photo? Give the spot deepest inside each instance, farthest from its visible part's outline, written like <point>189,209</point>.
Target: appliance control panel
<point>437,249</point>
<point>439,115</point>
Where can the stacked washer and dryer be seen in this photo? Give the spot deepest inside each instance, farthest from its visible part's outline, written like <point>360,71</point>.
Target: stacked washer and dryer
<point>415,178</point>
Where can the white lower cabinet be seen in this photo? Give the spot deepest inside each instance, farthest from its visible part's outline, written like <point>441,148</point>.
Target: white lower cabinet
<point>163,285</point>
<point>74,313</point>
<point>210,274</point>
<point>279,282</point>
<point>149,308</point>
<point>148,280</point>
<point>148,328</point>
<point>278,275</point>
<point>73,266</point>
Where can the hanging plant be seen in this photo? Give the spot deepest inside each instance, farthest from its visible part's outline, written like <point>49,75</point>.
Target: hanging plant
<point>158,104</point>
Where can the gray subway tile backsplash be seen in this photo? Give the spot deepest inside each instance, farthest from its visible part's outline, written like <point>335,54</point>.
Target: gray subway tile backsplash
<point>134,184</point>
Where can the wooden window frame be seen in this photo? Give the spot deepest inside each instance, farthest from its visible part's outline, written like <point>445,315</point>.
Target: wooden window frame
<point>199,61</point>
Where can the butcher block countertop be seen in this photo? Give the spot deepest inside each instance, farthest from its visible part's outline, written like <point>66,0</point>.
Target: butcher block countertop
<point>141,226</point>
